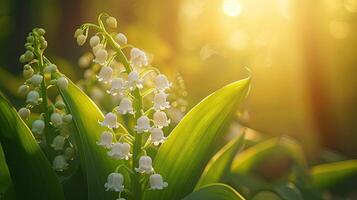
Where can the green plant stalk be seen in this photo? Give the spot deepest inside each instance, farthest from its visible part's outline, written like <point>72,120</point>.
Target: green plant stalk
<point>44,100</point>
<point>138,107</point>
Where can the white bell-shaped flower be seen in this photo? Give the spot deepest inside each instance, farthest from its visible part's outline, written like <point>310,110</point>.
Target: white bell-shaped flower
<point>111,22</point>
<point>56,119</point>
<point>105,74</point>
<point>160,102</point>
<point>110,120</point>
<point>120,151</point>
<point>125,106</point>
<point>23,89</point>
<point>24,113</point>
<point>101,56</point>
<point>134,80</point>
<point>161,82</point>
<point>62,83</point>
<point>97,47</point>
<point>160,119</point>
<point>60,163</point>
<point>138,58</point>
<point>145,165</point>
<point>117,87</point>
<point>156,182</point>
<point>157,136</point>
<point>36,79</point>
<point>115,182</point>
<point>38,126</point>
<point>121,38</point>
<point>94,41</point>
<point>143,124</point>
<point>33,97</point>
<point>58,142</point>
<point>106,139</point>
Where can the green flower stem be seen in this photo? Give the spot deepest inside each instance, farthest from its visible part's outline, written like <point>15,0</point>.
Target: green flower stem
<point>136,187</point>
<point>44,100</point>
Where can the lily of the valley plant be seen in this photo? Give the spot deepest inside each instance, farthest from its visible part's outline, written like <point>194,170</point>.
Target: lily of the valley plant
<point>131,85</point>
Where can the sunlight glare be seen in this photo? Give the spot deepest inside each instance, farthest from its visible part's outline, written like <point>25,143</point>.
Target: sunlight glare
<point>232,7</point>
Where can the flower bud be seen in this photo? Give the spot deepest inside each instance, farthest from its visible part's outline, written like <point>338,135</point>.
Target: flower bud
<point>78,32</point>
<point>24,113</point>
<point>33,97</point>
<point>40,31</point>
<point>67,118</point>
<point>44,44</point>
<point>115,182</point>
<point>121,39</point>
<point>60,105</point>
<point>30,39</point>
<point>28,56</point>
<point>36,80</point>
<point>58,142</point>
<point>23,89</point>
<point>81,39</point>
<point>156,182</point>
<point>69,153</point>
<point>94,41</point>
<point>56,119</point>
<point>22,58</point>
<point>62,83</point>
<point>28,71</point>
<point>60,163</point>
<point>51,68</point>
<point>111,22</point>
<point>38,126</point>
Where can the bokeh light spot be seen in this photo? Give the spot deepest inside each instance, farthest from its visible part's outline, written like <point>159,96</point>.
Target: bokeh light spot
<point>350,5</point>
<point>339,29</point>
<point>232,7</point>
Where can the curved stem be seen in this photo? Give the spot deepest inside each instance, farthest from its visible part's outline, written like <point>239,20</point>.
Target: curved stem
<point>136,187</point>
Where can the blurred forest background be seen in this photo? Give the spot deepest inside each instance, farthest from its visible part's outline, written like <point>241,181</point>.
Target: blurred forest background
<point>302,55</point>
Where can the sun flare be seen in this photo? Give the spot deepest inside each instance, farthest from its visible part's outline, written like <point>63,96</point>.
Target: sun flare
<point>232,7</point>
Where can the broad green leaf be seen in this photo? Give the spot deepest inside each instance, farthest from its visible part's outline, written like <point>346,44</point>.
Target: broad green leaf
<point>326,176</point>
<point>248,159</point>
<point>183,157</point>
<point>95,162</point>
<point>221,162</point>
<point>31,173</point>
<point>215,191</point>
<point>6,186</point>
<point>266,195</point>
<point>288,191</point>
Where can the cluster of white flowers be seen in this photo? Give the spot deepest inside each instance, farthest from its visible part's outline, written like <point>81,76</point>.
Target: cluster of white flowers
<point>127,85</point>
<point>39,73</point>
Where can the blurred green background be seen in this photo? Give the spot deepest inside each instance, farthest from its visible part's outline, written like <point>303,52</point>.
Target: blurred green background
<point>301,54</point>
